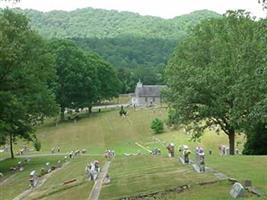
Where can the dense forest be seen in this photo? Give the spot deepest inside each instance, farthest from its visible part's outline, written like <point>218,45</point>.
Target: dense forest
<point>98,23</point>
<point>138,46</point>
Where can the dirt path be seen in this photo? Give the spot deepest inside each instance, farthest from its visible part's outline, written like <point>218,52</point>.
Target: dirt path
<point>95,192</point>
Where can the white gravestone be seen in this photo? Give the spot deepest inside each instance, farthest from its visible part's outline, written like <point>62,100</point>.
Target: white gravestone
<point>33,179</point>
<point>237,190</point>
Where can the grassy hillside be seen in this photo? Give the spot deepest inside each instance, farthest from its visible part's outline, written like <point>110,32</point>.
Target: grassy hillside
<point>132,175</point>
<point>101,131</point>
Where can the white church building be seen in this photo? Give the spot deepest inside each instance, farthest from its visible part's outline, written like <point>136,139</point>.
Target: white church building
<point>147,95</point>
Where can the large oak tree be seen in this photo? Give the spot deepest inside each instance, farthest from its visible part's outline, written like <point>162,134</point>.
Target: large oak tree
<point>26,67</point>
<point>211,76</point>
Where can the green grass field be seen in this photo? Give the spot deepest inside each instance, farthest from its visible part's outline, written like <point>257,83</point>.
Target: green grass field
<point>130,175</point>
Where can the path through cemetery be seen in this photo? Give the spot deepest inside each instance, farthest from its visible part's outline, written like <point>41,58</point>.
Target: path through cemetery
<point>95,192</point>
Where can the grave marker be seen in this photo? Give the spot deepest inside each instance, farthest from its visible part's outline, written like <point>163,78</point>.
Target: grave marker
<point>237,190</point>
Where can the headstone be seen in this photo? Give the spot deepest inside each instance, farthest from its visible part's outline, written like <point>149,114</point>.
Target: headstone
<point>186,153</point>
<point>155,152</point>
<point>227,151</point>
<point>200,159</point>
<point>83,151</point>
<point>48,167</point>
<point>170,149</point>
<point>33,179</point>
<point>210,152</point>
<point>247,183</point>
<point>237,190</point>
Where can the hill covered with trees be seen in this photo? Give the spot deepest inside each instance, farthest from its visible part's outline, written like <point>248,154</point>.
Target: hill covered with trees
<point>138,46</point>
<point>99,23</point>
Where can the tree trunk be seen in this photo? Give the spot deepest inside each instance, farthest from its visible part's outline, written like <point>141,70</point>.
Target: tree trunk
<point>62,110</point>
<point>90,109</point>
<point>11,145</point>
<point>231,137</point>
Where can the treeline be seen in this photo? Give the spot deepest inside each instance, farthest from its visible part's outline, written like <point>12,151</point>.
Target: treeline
<point>134,58</point>
<point>99,23</point>
<point>37,77</point>
<point>138,46</point>
<point>217,78</point>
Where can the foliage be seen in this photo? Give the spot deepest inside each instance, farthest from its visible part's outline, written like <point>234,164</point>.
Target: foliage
<point>83,78</point>
<point>37,144</point>
<point>99,23</point>
<point>211,70</point>
<point>25,68</point>
<point>129,51</point>
<point>109,84</point>
<point>157,126</point>
<point>256,141</point>
<point>139,44</point>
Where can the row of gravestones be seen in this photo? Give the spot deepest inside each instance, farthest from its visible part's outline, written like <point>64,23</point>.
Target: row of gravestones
<point>19,167</point>
<point>225,150</point>
<point>34,177</point>
<point>184,155</point>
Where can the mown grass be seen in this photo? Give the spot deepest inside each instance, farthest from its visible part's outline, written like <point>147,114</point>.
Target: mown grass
<point>136,174</point>
<point>18,182</point>
<point>145,174</point>
<point>100,131</point>
<point>54,187</point>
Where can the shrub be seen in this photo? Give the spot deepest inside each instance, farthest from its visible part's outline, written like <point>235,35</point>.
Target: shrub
<point>37,145</point>
<point>157,126</point>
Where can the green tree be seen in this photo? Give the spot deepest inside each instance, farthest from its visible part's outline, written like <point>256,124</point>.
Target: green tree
<point>25,70</point>
<point>157,126</point>
<point>206,73</point>
<point>77,83</point>
<point>110,86</point>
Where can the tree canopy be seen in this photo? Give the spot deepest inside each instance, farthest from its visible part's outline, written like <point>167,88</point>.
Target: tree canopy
<point>127,40</point>
<point>83,78</point>
<point>26,67</point>
<point>215,74</point>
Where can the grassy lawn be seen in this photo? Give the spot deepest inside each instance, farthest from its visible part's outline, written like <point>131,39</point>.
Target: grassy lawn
<point>134,174</point>
<point>145,174</point>
<point>100,131</point>
<point>54,187</point>
<point>18,182</point>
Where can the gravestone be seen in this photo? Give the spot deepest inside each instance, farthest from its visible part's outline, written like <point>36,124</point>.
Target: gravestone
<point>33,179</point>
<point>170,149</point>
<point>247,183</point>
<point>237,190</point>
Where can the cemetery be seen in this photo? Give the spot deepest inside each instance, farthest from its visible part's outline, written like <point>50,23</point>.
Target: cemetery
<point>150,173</point>
<point>146,100</point>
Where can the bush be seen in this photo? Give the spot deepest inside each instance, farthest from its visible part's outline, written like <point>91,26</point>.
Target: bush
<point>37,145</point>
<point>157,126</point>
<point>256,140</point>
